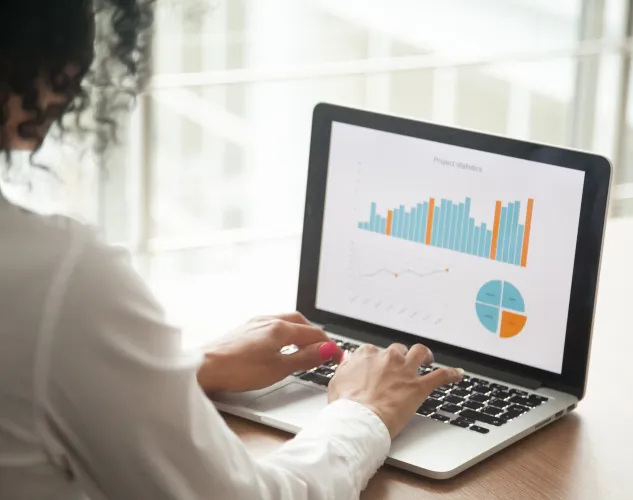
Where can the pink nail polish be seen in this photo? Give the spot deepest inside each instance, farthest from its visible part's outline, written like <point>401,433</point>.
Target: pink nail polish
<point>328,350</point>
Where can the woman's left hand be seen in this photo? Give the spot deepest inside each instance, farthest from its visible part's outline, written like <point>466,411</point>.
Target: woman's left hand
<point>250,357</point>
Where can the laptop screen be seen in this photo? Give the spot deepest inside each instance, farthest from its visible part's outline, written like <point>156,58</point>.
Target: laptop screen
<point>461,246</point>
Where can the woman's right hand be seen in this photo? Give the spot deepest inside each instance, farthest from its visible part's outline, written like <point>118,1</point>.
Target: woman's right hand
<point>387,381</point>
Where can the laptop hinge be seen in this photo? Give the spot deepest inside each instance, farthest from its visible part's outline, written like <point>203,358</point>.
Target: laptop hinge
<point>444,359</point>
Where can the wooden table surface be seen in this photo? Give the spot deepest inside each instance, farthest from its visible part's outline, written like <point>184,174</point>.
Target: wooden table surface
<point>585,455</point>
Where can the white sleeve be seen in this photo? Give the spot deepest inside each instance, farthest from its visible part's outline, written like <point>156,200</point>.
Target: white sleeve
<point>124,403</point>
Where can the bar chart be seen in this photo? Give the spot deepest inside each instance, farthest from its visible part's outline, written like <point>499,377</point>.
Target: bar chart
<point>448,224</point>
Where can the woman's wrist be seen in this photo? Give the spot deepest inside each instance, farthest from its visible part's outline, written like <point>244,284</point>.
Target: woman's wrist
<point>210,373</point>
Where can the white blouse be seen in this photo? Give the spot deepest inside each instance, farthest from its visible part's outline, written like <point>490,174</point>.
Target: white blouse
<point>98,398</point>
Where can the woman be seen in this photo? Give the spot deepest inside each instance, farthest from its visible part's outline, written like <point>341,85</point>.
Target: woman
<point>96,396</point>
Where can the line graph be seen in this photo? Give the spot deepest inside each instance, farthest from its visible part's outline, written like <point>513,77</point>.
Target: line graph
<point>404,272</point>
<point>399,283</point>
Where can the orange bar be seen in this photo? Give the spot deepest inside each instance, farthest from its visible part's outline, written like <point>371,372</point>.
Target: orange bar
<point>429,221</point>
<point>526,233</point>
<point>495,232</point>
<point>389,221</point>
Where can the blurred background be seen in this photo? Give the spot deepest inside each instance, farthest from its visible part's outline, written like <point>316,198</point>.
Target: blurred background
<point>207,187</point>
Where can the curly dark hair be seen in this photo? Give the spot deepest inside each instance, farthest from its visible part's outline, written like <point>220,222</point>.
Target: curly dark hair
<point>41,39</point>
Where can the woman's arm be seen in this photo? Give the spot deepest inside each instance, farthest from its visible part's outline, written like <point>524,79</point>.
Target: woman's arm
<point>123,402</point>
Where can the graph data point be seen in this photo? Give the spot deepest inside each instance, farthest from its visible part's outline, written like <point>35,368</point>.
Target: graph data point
<point>447,269</point>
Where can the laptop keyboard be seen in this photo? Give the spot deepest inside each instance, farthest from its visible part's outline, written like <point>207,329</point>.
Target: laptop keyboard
<point>473,403</point>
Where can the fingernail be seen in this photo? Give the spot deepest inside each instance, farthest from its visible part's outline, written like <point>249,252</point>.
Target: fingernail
<point>328,350</point>
<point>459,373</point>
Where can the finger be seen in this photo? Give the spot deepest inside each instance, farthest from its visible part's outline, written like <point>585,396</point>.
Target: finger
<point>366,349</point>
<point>292,317</point>
<point>399,348</point>
<point>310,356</point>
<point>295,334</point>
<point>441,377</point>
<point>419,355</point>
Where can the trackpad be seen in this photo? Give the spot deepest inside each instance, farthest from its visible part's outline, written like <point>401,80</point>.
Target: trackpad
<point>295,404</point>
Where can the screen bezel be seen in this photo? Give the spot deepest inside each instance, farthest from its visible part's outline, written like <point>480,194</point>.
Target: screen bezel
<point>588,247</point>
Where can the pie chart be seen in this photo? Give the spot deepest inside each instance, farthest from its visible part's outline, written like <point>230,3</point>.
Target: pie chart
<point>501,309</point>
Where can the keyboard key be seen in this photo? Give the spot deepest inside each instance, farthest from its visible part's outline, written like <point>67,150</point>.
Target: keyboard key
<point>481,430</point>
<point>510,415</point>
<point>499,387</point>
<point>500,394</point>
<point>445,388</point>
<point>480,398</point>
<point>460,423</point>
<point>519,392</point>
<point>492,410</point>
<point>425,412</point>
<point>473,405</point>
<point>499,403</point>
<point>482,417</point>
<point>456,400</point>
<point>437,395</point>
<point>449,408</point>
<point>465,384</point>
<point>483,389</point>
<point>460,392</point>
<point>323,370</point>
<point>316,378</point>
<point>519,408</point>
<point>432,403</point>
<point>469,421</point>
<point>299,373</point>
<point>537,397</point>
<point>479,380</point>
<point>520,400</point>
<point>441,418</point>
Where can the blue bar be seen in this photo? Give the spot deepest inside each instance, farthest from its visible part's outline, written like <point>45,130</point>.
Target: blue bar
<point>502,226</point>
<point>471,235</point>
<point>464,242</point>
<point>475,250</point>
<point>395,222</point>
<point>360,225</point>
<point>488,244</point>
<point>440,226</point>
<point>514,231</point>
<point>400,212</point>
<point>482,240</point>
<point>372,218</point>
<point>405,226</point>
<point>519,245</point>
<point>437,212</point>
<point>508,233</point>
<point>418,222</point>
<point>413,225</point>
<point>454,217</point>
<point>425,220</point>
<point>446,231</point>
<point>383,225</point>
<point>459,229</point>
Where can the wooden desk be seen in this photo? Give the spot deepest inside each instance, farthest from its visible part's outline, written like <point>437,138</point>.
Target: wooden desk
<point>585,455</point>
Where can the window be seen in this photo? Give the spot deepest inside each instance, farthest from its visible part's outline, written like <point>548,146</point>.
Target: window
<point>214,176</point>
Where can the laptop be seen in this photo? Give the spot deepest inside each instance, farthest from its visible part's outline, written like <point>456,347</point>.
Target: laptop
<point>484,248</point>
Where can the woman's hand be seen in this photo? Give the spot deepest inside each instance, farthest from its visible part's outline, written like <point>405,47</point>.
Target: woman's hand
<point>250,357</point>
<point>387,382</point>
